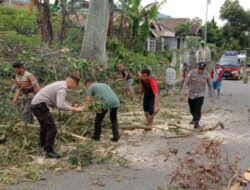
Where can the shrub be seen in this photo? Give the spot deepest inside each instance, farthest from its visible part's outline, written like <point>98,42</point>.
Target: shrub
<point>20,21</point>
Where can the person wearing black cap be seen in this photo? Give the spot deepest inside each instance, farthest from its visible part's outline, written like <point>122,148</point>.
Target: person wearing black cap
<point>52,95</point>
<point>195,86</point>
<point>26,86</point>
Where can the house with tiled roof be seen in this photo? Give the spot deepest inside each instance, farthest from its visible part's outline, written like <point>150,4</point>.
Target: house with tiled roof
<point>166,37</point>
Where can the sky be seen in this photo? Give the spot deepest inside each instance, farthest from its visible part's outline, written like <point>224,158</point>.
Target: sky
<point>195,8</point>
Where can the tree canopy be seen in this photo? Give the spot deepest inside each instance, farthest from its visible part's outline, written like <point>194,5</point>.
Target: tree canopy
<point>237,24</point>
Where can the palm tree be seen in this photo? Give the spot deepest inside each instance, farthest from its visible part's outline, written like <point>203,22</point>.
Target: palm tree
<point>136,19</point>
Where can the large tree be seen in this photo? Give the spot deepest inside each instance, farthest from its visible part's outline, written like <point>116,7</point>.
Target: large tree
<point>44,19</point>
<point>62,34</point>
<point>214,33</point>
<point>111,18</point>
<point>95,35</point>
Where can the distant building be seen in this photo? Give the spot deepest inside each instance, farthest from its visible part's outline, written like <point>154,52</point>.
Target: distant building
<point>165,36</point>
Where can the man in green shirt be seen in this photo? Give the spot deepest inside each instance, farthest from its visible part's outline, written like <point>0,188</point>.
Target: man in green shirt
<point>110,102</point>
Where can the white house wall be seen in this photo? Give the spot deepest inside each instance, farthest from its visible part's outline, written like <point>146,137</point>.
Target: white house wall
<point>170,43</point>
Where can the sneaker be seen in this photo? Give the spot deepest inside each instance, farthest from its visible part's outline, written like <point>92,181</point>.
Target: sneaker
<point>52,154</point>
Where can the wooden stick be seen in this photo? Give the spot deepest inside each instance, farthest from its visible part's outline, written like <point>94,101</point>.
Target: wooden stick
<point>235,176</point>
<point>196,132</point>
<point>242,181</point>
<point>133,127</point>
<point>79,137</point>
<point>2,125</point>
<point>76,136</point>
<point>177,126</point>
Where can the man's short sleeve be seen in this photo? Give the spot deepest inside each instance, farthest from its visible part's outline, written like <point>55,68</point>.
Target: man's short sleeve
<point>154,86</point>
<point>91,91</point>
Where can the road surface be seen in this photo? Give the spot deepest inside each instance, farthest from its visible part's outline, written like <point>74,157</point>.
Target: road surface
<point>148,169</point>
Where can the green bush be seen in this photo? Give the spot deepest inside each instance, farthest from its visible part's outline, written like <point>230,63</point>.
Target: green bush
<point>15,38</point>
<point>157,62</point>
<point>74,39</point>
<point>82,154</point>
<point>20,21</point>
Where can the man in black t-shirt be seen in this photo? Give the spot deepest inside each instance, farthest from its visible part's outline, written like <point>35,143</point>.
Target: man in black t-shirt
<point>127,77</point>
<point>149,91</point>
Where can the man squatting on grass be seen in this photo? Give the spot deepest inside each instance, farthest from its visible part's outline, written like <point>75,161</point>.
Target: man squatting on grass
<point>150,89</point>
<point>195,86</point>
<point>52,95</point>
<point>25,86</point>
<point>109,102</point>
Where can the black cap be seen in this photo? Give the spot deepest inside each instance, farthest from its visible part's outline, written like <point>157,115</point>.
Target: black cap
<point>18,64</point>
<point>202,64</point>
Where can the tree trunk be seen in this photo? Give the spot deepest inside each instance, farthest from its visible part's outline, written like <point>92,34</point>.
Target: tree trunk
<point>111,17</point>
<point>120,35</point>
<point>44,20</point>
<point>95,35</point>
<point>62,34</point>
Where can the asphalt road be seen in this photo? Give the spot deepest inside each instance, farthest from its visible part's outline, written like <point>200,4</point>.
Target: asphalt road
<point>232,110</point>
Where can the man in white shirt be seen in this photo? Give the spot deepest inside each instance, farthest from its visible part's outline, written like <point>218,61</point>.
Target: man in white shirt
<point>170,80</point>
<point>52,95</point>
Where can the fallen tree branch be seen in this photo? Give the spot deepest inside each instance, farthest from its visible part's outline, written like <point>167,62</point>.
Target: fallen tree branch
<point>177,126</point>
<point>235,176</point>
<point>197,131</point>
<point>63,50</point>
<point>2,125</point>
<point>75,136</point>
<point>133,127</point>
<point>241,182</point>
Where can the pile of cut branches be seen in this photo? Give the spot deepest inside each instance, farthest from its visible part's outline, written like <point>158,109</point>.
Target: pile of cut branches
<point>205,168</point>
<point>20,150</point>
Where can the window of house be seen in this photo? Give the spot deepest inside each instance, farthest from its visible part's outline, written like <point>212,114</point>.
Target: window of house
<point>152,45</point>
